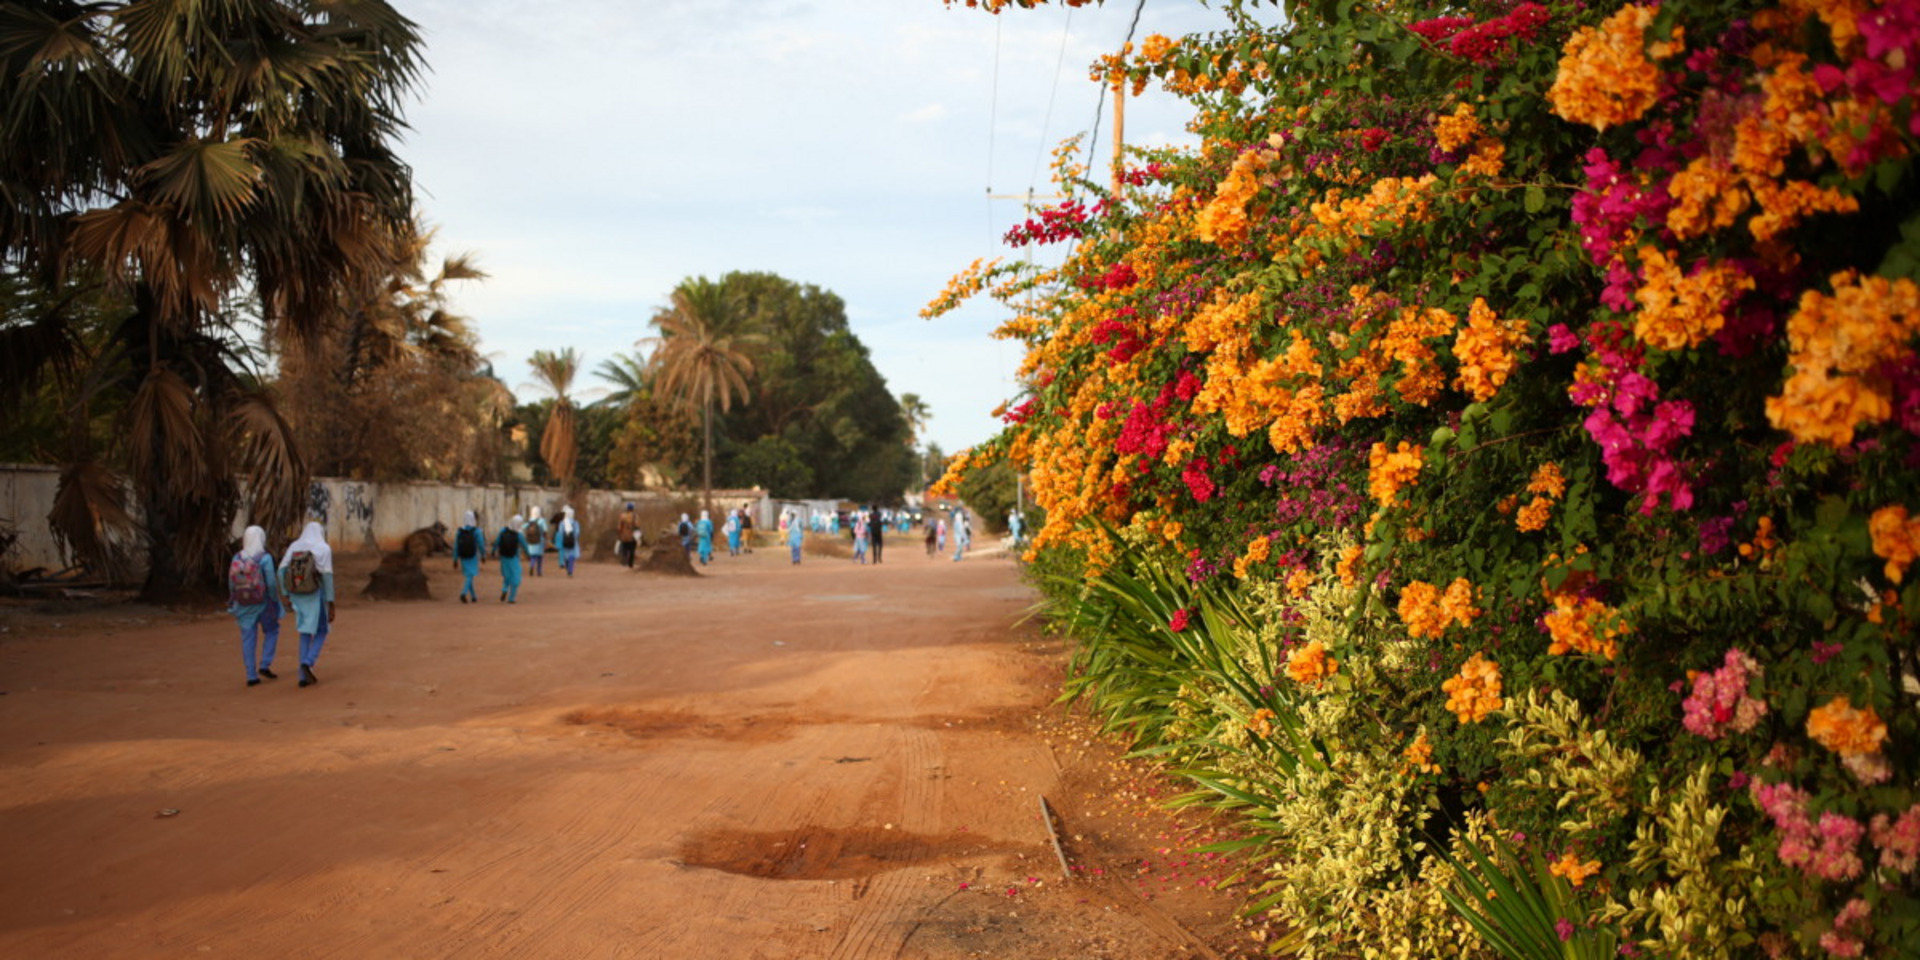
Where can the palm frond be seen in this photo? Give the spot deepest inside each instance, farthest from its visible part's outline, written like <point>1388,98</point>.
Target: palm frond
<point>268,457</point>
<point>212,181</point>
<point>89,519</point>
<point>164,437</point>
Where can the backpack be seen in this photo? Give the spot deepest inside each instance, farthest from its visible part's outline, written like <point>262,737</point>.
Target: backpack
<point>466,543</point>
<point>509,544</point>
<point>303,574</point>
<point>567,538</point>
<point>536,534</point>
<point>246,584</point>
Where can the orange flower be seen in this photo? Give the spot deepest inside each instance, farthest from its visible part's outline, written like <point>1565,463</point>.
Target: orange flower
<point>1475,692</point>
<point>1457,129</point>
<point>1896,539</point>
<point>1390,470</point>
<point>1584,624</point>
<point>1678,311</point>
<point>1427,611</point>
<point>1837,343</point>
<point>1534,515</point>
<point>1547,479</point>
<point>1606,78</point>
<point>1419,756</point>
<point>1847,731</point>
<point>1485,349</point>
<point>1570,867</point>
<point>1349,566</point>
<point>1310,664</point>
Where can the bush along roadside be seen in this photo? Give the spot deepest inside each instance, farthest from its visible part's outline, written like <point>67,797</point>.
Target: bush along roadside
<point>1490,465</point>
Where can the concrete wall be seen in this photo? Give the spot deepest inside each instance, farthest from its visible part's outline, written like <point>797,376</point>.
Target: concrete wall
<point>26,498</point>
<point>365,516</point>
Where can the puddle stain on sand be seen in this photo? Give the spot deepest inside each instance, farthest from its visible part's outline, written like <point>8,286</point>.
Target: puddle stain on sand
<point>822,853</point>
<point>646,725</point>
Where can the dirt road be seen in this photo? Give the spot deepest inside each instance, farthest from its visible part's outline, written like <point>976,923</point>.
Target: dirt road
<point>771,760</point>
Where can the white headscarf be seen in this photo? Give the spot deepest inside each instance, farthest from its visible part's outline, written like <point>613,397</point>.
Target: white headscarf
<point>703,516</point>
<point>534,512</point>
<point>313,539</point>
<point>471,520</point>
<point>516,523</point>
<point>569,511</point>
<point>683,518</point>
<point>253,543</point>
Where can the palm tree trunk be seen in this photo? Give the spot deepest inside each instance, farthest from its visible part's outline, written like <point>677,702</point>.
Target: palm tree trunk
<point>707,475</point>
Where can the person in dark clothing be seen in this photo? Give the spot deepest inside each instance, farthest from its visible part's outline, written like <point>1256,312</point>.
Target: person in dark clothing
<point>876,528</point>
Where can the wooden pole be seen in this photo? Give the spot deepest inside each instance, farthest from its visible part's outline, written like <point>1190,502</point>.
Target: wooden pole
<point>1119,130</point>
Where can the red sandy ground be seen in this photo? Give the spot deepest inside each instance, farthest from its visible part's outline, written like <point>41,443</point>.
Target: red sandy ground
<point>767,761</point>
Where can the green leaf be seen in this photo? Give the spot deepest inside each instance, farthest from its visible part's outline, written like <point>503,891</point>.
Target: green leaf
<point>1536,199</point>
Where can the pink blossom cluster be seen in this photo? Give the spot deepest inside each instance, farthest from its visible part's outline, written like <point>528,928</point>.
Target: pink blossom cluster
<point>1482,42</point>
<point>1719,703</point>
<point>1898,840</point>
<point>1063,222</point>
<point>1849,926</point>
<point>1614,201</point>
<point>1823,850</point>
<point>1197,479</point>
<point>1636,430</point>
<point>1884,72</point>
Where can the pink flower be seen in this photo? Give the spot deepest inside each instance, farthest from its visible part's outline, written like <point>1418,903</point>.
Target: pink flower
<point>1898,841</point>
<point>1564,928</point>
<point>1561,339</point>
<point>1180,620</point>
<point>1719,703</point>
<point>1848,927</point>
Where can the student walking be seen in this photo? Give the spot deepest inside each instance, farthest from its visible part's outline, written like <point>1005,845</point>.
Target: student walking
<point>623,535</point>
<point>962,532</point>
<point>733,533</point>
<point>306,585</point>
<point>859,537</point>
<point>704,532</point>
<point>536,537</point>
<point>877,529</point>
<point>468,546</point>
<point>253,598</point>
<point>566,537</point>
<point>507,546</point>
<point>796,535</point>
<point>930,538</point>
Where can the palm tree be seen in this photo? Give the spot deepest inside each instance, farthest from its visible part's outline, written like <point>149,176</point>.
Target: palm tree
<point>559,442</point>
<point>186,152</point>
<point>628,374</point>
<point>702,357</point>
<point>917,413</point>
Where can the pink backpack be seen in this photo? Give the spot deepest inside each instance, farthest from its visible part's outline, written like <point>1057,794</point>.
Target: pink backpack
<point>246,582</point>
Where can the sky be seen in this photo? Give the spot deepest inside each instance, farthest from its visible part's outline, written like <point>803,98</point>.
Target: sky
<point>592,154</point>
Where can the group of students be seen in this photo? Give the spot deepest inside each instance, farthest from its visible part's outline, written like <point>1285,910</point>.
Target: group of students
<point>520,537</point>
<point>259,590</point>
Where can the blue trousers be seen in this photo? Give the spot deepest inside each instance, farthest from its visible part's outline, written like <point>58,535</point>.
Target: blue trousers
<point>263,636</point>
<point>310,643</point>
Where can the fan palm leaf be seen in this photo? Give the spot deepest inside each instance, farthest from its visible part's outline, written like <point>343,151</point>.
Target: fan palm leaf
<point>89,519</point>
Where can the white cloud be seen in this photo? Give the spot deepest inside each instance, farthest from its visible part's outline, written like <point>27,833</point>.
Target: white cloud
<point>593,153</point>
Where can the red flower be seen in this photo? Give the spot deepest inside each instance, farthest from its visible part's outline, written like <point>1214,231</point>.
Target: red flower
<point>1181,620</point>
<point>1371,138</point>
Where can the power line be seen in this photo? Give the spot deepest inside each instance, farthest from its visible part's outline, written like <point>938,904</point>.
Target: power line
<point>1100,105</point>
<point>1058,65</point>
<point>993,120</point>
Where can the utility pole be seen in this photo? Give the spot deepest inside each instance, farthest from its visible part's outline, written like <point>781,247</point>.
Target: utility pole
<point>1119,130</point>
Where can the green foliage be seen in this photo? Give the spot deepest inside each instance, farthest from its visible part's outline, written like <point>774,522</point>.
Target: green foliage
<point>1505,372</point>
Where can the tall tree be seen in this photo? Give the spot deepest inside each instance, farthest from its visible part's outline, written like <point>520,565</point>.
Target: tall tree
<point>383,393</point>
<point>917,414</point>
<point>559,440</point>
<point>702,357</point>
<point>186,152</point>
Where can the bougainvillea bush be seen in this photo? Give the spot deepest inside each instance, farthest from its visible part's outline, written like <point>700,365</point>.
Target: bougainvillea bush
<point>1493,457</point>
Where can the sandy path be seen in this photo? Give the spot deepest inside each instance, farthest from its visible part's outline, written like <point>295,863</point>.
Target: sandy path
<point>768,761</point>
